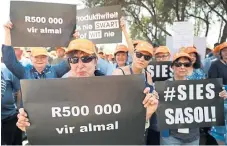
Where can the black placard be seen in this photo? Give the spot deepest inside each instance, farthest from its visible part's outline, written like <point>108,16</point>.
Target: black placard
<point>160,71</point>
<point>190,104</point>
<point>39,24</point>
<point>91,111</point>
<point>100,24</point>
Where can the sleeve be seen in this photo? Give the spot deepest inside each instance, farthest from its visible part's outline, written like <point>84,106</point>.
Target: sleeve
<point>61,68</point>
<point>103,66</point>
<point>213,71</point>
<point>11,62</point>
<point>15,83</point>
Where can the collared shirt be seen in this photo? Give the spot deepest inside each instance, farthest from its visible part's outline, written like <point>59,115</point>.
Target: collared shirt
<point>41,75</point>
<point>27,72</point>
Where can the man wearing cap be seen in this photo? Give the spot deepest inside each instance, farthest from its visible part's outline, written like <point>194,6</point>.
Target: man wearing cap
<point>218,69</point>
<point>60,51</point>
<point>39,57</point>
<point>162,53</point>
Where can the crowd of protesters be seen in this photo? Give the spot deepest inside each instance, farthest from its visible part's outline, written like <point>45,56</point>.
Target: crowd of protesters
<point>82,58</point>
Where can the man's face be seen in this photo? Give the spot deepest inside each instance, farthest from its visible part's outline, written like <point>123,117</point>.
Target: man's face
<point>39,61</point>
<point>60,53</point>
<point>162,57</point>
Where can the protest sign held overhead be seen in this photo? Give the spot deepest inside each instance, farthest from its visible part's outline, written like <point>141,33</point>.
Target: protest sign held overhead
<point>160,71</point>
<point>39,24</point>
<point>190,104</point>
<point>100,24</point>
<point>78,112</point>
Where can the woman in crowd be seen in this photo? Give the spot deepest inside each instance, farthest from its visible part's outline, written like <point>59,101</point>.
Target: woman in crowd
<point>39,57</point>
<point>82,58</point>
<point>195,72</point>
<point>121,58</point>
<point>181,64</point>
<point>218,69</point>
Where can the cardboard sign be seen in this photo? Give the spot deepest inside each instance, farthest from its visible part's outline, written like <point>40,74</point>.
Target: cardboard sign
<point>160,71</point>
<point>183,33</point>
<point>190,104</point>
<point>39,24</point>
<point>85,111</point>
<point>100,24</point>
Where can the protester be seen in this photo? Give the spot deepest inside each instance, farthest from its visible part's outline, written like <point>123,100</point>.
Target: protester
<point>162,53</point>
<point>121,55</point>
<point>208,61</point>
<point>101,54</point>
<point>180,64</point>
<point>11,135</point>
<point>60,51</point>
<point>143,54</point>
<point>209,51</point>
<point>218,69</point>
<point>39,57</point>
<point>194,72</point>
<point>82,57</point>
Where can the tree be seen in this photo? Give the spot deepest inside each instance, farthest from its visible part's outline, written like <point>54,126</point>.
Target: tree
<point>220,8</point>
<point>160,13</point>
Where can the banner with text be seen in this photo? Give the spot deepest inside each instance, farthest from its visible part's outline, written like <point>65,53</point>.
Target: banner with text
<point>78,112</point>
<point>100,24</point>
<point>39,24</point>
<point>160,71</point>
<point>190,104</point>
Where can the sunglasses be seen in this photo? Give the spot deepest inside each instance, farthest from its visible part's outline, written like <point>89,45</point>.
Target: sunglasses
<point>84,59</point>
<point>146,57</point>
<point>179,64</point>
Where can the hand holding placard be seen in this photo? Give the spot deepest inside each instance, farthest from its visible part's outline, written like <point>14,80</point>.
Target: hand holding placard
<point>150,102</point>
<point>8,26</point>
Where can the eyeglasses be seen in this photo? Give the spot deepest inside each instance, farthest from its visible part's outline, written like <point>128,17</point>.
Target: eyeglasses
<point>146,57</point>
<point>84,59</point>
<point>179,64</point>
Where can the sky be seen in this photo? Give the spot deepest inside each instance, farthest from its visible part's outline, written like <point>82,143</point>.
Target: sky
<point>4,17</point>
